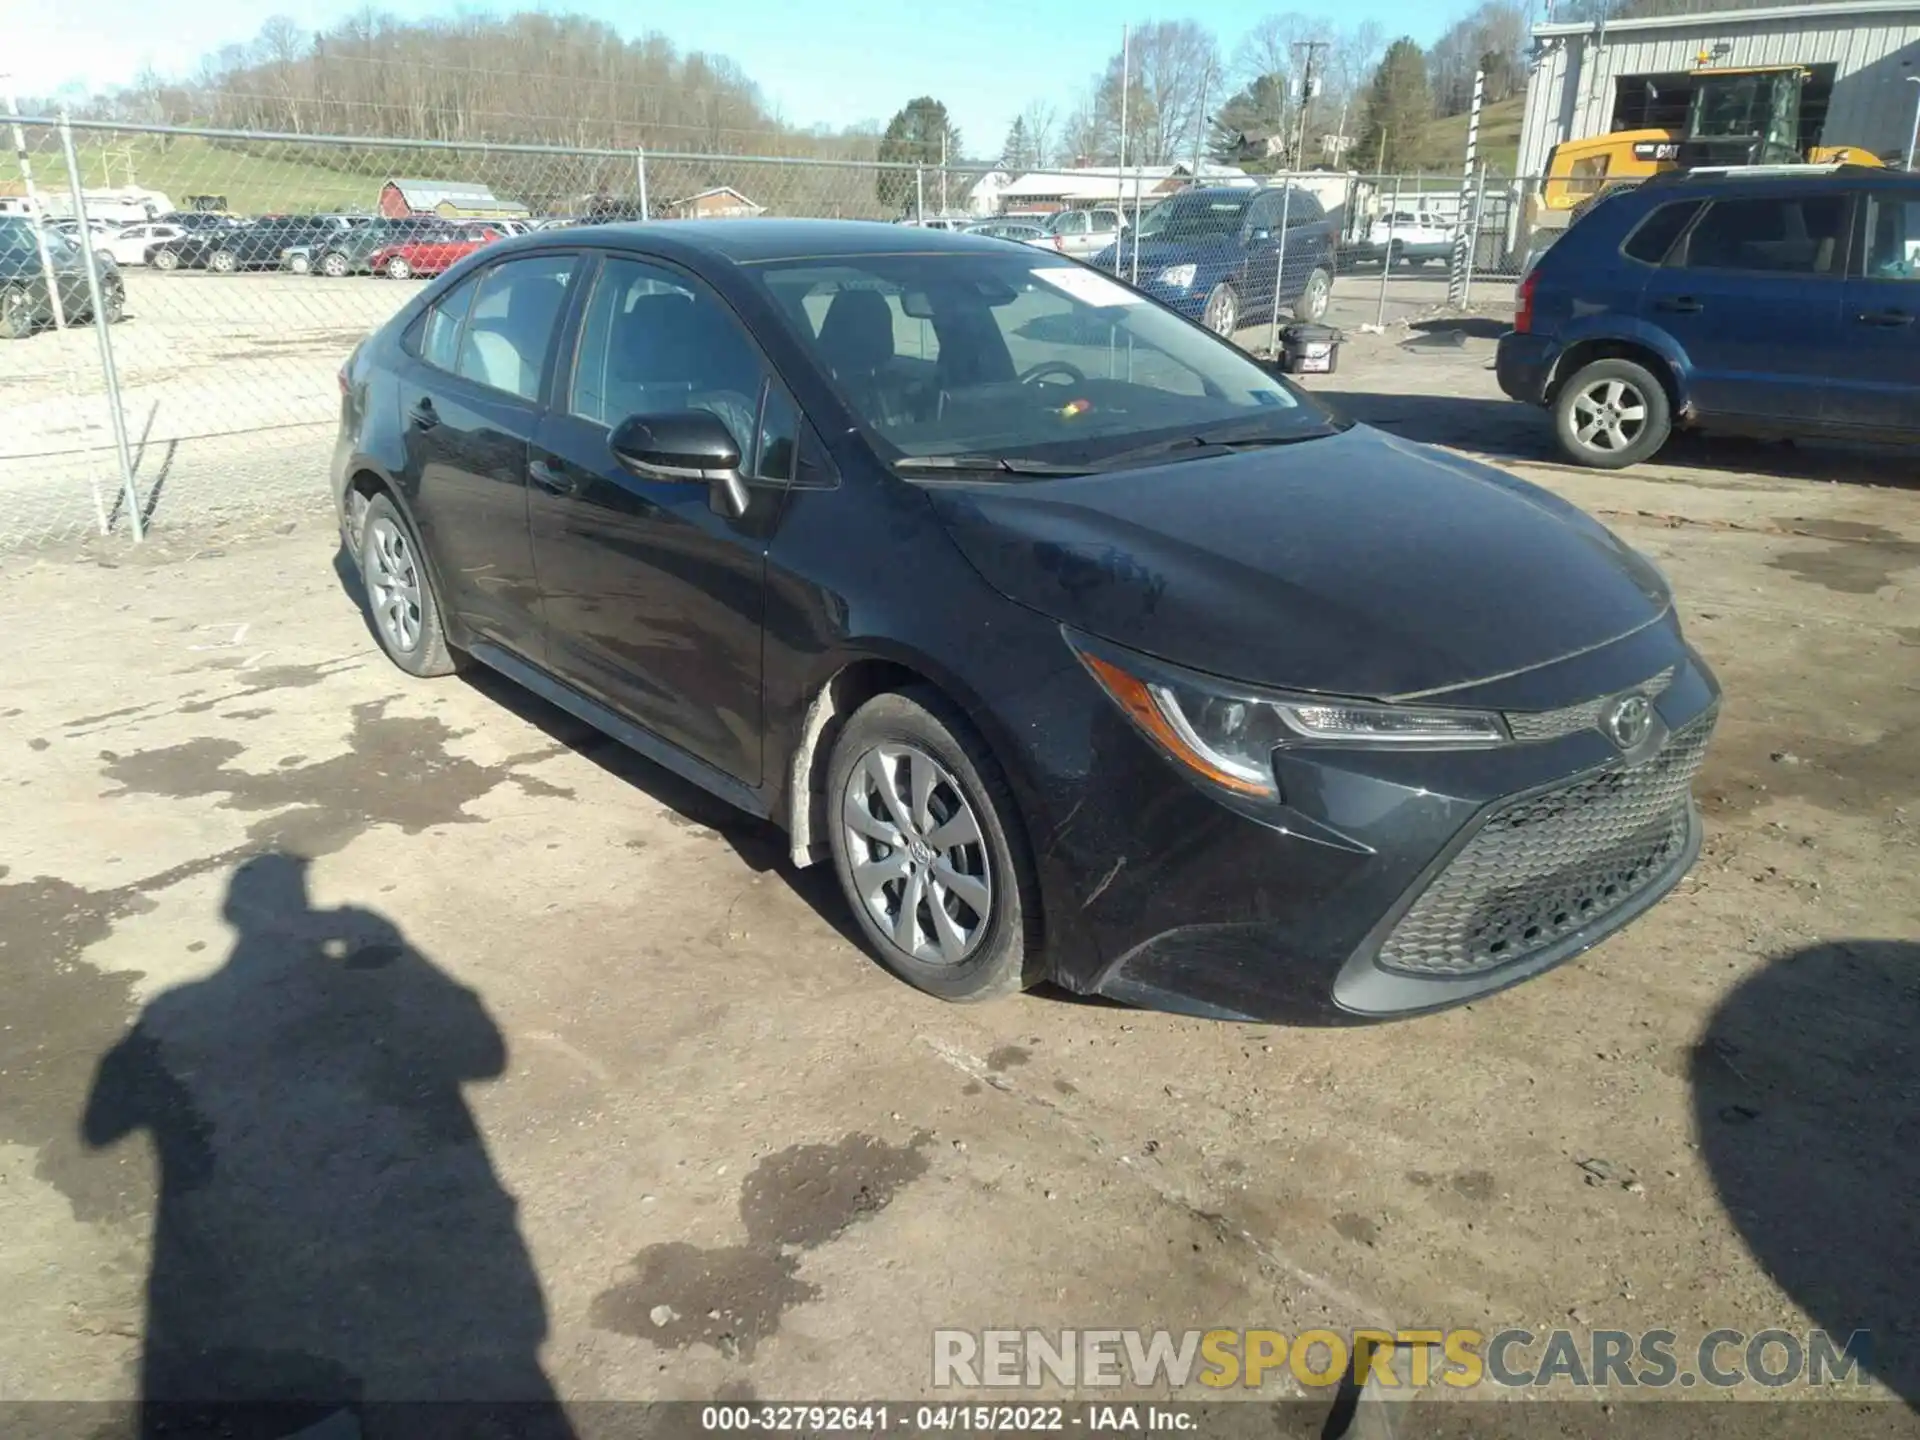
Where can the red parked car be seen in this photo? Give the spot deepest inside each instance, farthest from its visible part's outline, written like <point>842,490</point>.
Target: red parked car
<point>430,254</point>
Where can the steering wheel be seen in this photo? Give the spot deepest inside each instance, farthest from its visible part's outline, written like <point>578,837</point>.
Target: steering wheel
<point>1034,374</point>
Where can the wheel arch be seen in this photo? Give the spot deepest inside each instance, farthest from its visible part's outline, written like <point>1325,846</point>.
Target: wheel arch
<point>365,480</point>
<point>1664,367</point>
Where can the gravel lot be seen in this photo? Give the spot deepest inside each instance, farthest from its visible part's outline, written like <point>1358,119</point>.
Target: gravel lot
<point>661,1130</point>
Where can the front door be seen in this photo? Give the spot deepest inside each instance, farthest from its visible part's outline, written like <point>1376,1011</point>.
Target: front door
<point>1876,383</point>
<point>1752,297</point>
<point>470,397</point>
<point>654,602</point>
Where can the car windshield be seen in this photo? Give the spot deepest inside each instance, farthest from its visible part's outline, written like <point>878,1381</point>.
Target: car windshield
<point>1186,216</point>
<point>1013,356</point>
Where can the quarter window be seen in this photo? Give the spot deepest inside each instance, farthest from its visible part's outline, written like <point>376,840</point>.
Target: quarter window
<point>1784,235</point>
<point>514,312</point>
<point>439,346</point>
<point>1651,242</point>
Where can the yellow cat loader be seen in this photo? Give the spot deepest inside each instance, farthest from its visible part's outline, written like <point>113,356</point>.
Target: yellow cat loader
<point>1734,117</point>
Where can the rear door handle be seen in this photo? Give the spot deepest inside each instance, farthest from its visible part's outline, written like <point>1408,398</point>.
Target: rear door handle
<point>1887,319</point>
<point>422,414</point>
<point>548,478</point>
<point>1680,305</point>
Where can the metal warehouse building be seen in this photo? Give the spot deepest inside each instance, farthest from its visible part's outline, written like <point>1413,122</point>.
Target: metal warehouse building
<point>1591,78</point>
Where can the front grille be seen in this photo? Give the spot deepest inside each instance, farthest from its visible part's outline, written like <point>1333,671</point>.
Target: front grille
<point>1543,867</point>
<point>1530,725</point>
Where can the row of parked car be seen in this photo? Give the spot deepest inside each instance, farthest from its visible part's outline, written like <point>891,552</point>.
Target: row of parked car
<point>303,244</point>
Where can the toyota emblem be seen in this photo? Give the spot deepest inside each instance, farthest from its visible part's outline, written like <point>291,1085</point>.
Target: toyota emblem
<point>1628,721</point>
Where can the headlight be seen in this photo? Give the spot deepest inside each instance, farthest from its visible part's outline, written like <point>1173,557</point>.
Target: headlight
<point>1227,735</point>
<point>1178,276</point>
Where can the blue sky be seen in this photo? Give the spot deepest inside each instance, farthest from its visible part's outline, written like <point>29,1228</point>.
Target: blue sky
<point>833,62</point>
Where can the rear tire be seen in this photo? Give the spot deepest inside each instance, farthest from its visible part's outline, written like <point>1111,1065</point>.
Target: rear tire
<point>929,849</point>
<point>399,269</point>
<point>401,605</point>
<point>333,265</point>
<point>1314,300</point>
<point>115,298</point>
<point>166,260</point>
<point>300,264</point>
<point>1612,414</point>
<point>222,262</point>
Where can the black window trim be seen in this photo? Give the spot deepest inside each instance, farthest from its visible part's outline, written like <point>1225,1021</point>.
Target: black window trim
<point>1837,275</point>
<point>560,396</point>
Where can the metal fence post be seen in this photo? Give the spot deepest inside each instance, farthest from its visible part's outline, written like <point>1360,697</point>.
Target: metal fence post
<point>1462,243</point>
<point>54,296</point>
<point>919,194</point>
<point>114,413</point>
<point>1473,235</point>
<point>1386,256</point>
<point>1280,269</point>
<point>640,176</point>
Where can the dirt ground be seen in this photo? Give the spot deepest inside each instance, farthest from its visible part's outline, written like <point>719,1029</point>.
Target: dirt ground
<point>413,1039</point>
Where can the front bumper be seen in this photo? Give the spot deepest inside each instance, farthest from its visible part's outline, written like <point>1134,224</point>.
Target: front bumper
<point>1523,364</point>
<point>1386,884</point>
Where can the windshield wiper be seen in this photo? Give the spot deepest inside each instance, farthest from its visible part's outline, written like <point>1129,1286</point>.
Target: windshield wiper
<point>1208,442</point>
<point>1006,465</point>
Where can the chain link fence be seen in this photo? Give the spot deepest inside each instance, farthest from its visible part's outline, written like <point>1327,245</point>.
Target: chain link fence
<point>244,267</point>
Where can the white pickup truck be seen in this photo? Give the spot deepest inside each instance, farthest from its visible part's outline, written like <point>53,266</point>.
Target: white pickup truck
<point>1408,236</point>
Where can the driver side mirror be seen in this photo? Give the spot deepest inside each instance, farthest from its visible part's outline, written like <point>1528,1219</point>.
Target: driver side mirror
<point>1259,235</point>
<point>689,446</point>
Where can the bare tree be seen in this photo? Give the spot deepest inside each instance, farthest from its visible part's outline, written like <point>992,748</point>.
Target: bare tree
<point>1040,122</point>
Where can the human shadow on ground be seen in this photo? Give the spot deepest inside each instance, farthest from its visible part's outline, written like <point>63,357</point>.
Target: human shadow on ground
<point>331,1246</point>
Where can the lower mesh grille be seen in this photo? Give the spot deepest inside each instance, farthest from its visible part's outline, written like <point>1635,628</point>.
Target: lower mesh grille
<point>1551,864</point>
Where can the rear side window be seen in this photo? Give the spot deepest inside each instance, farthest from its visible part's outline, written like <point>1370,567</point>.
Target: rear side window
<point>1777,235</point>
<point>514,312</point>
<point>1651,242</point>
<point>1893,239</point>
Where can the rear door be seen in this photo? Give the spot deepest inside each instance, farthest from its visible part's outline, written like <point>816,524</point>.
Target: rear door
<point>470,397</point>
<point>1876,381</point>
<point>1752,296</point>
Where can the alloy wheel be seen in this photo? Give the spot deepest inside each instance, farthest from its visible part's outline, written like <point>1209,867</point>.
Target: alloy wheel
<point>918,855</point>
<point>333,265</point>
<point>393,585</point>
<point>1609,415</point>
<point>1313,300</point>
<point>1222,314</point>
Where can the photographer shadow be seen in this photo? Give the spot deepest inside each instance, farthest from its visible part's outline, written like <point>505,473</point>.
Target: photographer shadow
<point>332,1251</point>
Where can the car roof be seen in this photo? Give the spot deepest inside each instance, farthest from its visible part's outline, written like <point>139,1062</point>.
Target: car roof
<point>757,241</point>
<point>1776,178</point>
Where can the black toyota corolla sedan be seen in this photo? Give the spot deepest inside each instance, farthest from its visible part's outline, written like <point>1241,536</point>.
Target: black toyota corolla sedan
<point>1084,648</point>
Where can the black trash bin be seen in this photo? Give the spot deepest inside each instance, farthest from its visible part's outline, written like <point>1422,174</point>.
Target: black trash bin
<point>1310,349</point>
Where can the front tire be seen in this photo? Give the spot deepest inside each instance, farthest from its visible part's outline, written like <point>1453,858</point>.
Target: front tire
<point>168,260</point>
<point>400,601</point>
<point>115,298</point>
<point>1612,414</point>
<point>1222,312</point>
<point>333,265</point>
<point>300,264</point>
<point>928,846</point>
<point>222,262</point>
<point>399,269</point>
<point>16,312</point>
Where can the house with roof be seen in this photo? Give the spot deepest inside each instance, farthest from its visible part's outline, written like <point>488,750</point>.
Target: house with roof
<point>1045,190</point>
<point>722,202</point>
<point>452,199</point>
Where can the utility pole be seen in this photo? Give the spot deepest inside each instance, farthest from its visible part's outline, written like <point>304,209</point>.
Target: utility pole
<point>1313,48</point>
<point>1200,125</point>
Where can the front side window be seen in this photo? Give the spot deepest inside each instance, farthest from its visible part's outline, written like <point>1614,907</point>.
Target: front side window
<point>1194,216</point>
<point>1779,235</point>
<point>1893,239</point>
<point>1030,356</point>
<point>514,313</point>
<point>656,343</point>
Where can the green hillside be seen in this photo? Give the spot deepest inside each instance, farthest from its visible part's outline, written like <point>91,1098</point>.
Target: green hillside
<point>1443,143</point>
<point>254,183</point>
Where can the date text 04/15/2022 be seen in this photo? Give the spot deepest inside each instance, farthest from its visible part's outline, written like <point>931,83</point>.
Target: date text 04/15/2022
<point>868,1419</point>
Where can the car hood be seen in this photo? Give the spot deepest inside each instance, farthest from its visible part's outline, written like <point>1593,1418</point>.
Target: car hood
<point>1155,255</point>
<point>1357,564</point>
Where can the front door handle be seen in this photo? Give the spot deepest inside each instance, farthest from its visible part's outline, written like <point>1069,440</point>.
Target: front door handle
<point>1887,319</point>
<point>422,414</point>
<point>548,478</point>
<point>1680,305</point>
